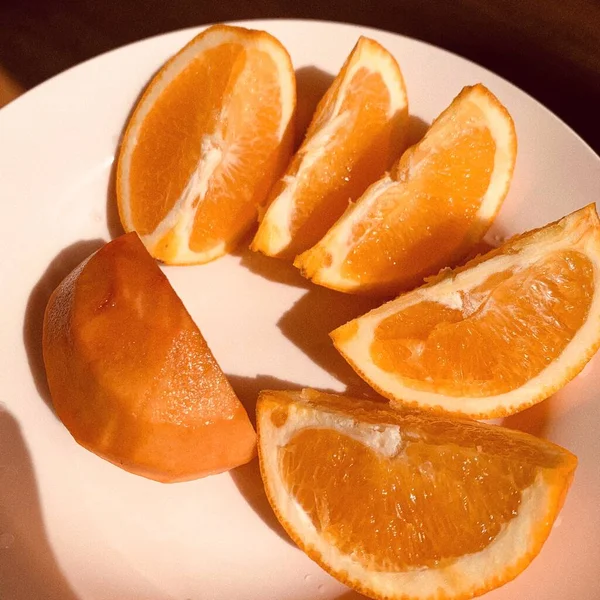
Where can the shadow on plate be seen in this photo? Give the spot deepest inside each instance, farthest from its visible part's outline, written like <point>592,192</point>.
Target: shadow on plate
<point>309,321</point>
<point>247,477</point>
<point>28,569</point>
<point>571,403</point>
<point>248,388</point>
<point>273,269</point>
<point>534,420</point>
<point>113,221</point>
<point>64,262</point>
<point>311,85</point>
<point>580,391</point>
<point>249,483</point>
<point>417,128</point>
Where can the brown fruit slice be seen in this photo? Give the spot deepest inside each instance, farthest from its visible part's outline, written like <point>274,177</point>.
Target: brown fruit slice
<point>404,504</point>
<point>131,376</point>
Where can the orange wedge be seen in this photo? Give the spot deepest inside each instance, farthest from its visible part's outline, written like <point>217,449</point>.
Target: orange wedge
<point>438,201</point>
<point>357,132</point>
<point>206,142</point>
<point>131,376</point>
<point>404,505</point>
<point>495,336</point>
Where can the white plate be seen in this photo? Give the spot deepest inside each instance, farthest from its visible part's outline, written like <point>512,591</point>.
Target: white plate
<point>73,526</point>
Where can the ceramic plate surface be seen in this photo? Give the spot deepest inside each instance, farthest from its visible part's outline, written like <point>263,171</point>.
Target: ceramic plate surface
<point>74,527</point>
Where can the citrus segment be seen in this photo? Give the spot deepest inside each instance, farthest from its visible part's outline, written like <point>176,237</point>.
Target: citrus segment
<point>495,336</point>
<point>131,376</point>
<point>210,135</point>
<point>426,214</point>
<point>404,503</point>
<point>357,131</point>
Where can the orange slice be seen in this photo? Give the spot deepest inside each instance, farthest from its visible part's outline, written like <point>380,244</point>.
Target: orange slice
<point>205,143</point>
<point>131,376</point>
<point>438,201</point>
<point>404,505</point>
<point>495,336</point>
<point>357,131</point>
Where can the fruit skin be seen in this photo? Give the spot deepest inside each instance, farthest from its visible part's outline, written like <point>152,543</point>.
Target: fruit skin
<point>325,262</point>
<point>579,230</point>
<point>172,247</point>
<point>131,376</point>
<point>276,406</point>
<point>276,236</point>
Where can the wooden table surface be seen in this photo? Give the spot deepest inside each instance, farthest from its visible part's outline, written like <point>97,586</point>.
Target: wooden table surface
<point>549,48</point>
<point>9,88</point>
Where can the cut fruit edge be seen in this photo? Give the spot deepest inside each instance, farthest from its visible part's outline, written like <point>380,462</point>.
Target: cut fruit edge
<point>274,232</point>
<point>518,543</point>
<point>180,218</point>
<point>91,413</point>
<point>578,231</point>
<point>323,262</point>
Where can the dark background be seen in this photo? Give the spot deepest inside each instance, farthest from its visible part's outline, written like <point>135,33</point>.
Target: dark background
<point>549,48</point>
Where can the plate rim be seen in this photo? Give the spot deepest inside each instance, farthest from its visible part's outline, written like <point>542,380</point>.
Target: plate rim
<point>59,81</point>
<point>195,29</point>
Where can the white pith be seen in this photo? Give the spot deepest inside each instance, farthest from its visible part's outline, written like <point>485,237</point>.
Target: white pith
<point>339,241</point>
<point>275,229</point>
<point>467,573</point>
<point>180,217</point>
<point>572,233</point>
<point>278,217</point>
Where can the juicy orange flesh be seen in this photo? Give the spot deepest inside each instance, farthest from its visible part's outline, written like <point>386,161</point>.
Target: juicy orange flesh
<point>429,504</point>
<point>526,316</point>
<point>252,161</point>
<point>357,153</point>
<point>205,100</point>
<point>168,145</point>
<point>428,219</point>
